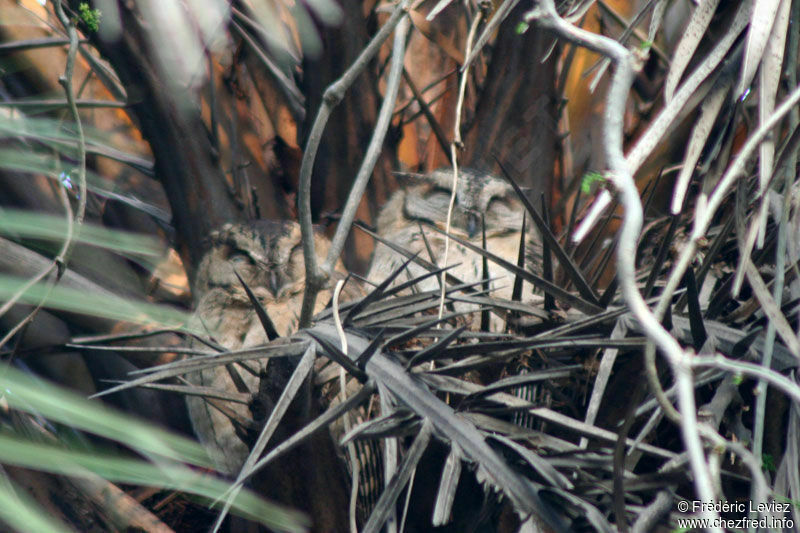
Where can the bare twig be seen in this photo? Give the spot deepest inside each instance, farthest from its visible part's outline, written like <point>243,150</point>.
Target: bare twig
<point>772,308</point>
<point>315,277</point>
<point>351,449</point>
<point>66,82</point>
<point>51,103</point>
<point>294,98</point>
<point>707,206</point>
<point>455,146</point>
<point>622,178</point>
<point>650,515</point>
<point>439,79</point>
<point>38,277</point>
<point>73,223</point>
<point>500,14</point>
<point>660,126</point>
<point>648,141</point>
<point>780,258</point>
<point>30,44</point>
<point>704,213</point>
<point>751,369</point>
<point>628,28</point>
<point>374,148</point>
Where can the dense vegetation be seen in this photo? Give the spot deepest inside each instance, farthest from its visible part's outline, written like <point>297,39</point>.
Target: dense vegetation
<point>655,151</point>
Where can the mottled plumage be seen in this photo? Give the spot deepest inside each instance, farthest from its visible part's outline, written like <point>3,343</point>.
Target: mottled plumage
<point>268,256</point>
<point>480,199</point>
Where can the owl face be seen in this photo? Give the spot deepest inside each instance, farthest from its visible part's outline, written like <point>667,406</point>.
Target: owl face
<point>478,196</point>
<point>267,254</point>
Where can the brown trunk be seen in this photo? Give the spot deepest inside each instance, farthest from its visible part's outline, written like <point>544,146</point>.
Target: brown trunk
<point>515,119</point>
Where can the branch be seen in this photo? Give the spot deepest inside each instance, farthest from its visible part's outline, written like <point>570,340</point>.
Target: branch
<point>649,140</point>
<point>622,178</point>
<point>760,412</point>
<point>73,223</point>
<point>66,82</point>
<point>315,277</point>
<point>455,146</point>
<point>374,148</point>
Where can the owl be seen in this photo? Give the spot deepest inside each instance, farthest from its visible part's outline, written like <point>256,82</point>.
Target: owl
<point>481,199</point>
<point>268,256</point>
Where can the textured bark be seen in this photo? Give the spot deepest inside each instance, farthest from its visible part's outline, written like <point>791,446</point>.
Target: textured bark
<point>515,118</point>
<point>177,135</point>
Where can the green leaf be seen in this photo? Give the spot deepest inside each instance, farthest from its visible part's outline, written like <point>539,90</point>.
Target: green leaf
<point>27,394</point>
<point>168,451</point>
<point>59,460</point>
<point>22,513</point>
<point>89,16</point>
<point>25,223</point>
<point>106,305</point>
<point>589,179</point>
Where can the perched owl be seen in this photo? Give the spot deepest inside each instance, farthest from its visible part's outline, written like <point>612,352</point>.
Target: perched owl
<point>480,199</point>
<point>268,256</point>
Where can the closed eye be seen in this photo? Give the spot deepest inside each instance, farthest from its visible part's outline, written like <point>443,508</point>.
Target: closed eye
<point>437,199</point>
<point>499,201</point>
<point>240,258</point>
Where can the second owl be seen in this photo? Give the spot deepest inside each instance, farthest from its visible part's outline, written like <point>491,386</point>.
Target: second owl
<point>481,199</point>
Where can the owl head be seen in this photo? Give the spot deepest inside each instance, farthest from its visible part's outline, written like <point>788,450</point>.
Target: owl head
<point>267,254</point>
<point>479,197</point>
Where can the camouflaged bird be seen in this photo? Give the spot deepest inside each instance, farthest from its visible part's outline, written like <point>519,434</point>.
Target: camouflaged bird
<point>268,257</point>
<point>481,199</point>
<point>233,401</point>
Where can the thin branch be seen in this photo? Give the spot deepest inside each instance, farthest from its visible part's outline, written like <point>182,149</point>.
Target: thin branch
<point>38,277</point>
<point>54,103</point>
<point>456,145</point>
<point>622,178</point>
<point>66,82</point>
<point>294,98</point>
<point>374,148</point>
<point>73,223</point>
<point>351,449</point>
<point>737,168</point>
<point>401,109</point>
<point>771,308</point>
<point>751,369</point>
<point>659,127</point>
<point>630,27</point>
<point>30,44</point>
<point>315,277</point>
<point>769,341</point>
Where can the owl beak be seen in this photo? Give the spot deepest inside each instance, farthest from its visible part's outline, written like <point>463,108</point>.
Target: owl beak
<point>274,283</point>
<point>473,224</point>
